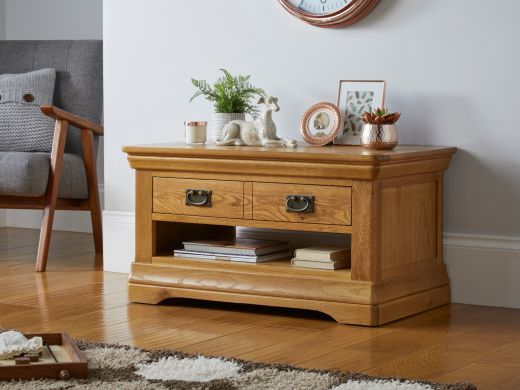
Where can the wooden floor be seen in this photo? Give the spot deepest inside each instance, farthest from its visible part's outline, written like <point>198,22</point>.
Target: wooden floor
<point>452,343</point>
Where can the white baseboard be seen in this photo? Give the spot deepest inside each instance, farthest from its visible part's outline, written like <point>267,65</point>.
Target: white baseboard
<point>118,240</point>
<point>481,241</point>
<point>2,218</point>
<point>483,269</point>
<point>72,221</point>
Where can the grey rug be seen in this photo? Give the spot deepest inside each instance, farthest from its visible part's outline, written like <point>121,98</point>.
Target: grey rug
<point>128,368</point>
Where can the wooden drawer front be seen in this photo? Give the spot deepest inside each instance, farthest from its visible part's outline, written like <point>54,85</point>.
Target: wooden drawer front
<point>227,197</point>
<point>332,205</point>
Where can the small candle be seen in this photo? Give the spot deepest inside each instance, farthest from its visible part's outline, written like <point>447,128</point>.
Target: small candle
<point>195,132</point>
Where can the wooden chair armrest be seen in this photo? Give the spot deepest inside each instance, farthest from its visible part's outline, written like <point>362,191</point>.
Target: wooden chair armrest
<point>81,123</point>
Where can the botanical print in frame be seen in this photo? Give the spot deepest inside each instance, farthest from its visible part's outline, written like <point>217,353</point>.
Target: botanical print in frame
<point>354,98</point>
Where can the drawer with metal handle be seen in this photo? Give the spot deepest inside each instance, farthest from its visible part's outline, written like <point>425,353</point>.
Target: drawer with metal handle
<point>329,205</point>
<point>299,203</point>
<point>211,198</point>
<point>198,198</point>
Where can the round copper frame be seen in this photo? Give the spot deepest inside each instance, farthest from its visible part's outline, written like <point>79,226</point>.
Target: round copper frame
<point>320,141</point>
<point>350,14</point>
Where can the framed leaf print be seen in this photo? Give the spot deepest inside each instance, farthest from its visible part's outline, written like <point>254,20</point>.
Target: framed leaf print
<point>320,123</point>
<point>354,98</point>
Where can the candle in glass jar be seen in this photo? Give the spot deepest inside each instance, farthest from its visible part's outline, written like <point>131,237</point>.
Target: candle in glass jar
<point>195,132</point>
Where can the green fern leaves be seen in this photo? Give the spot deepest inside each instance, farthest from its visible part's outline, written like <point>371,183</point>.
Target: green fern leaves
<point>229,94</point>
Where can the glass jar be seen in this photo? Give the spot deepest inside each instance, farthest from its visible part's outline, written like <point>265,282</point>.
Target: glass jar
<point>195,132</point>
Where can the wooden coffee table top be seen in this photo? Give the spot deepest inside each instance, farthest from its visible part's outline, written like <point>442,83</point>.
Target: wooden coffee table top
<point>331,153</point>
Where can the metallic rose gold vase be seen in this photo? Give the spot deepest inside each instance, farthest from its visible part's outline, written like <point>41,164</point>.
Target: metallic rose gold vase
<point>379,136</point>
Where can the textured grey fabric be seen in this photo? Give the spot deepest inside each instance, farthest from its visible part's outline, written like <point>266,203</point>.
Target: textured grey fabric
<point>78,89</point>
<point>23,127</point>
<point>79,75</point>
<point>27,174</point>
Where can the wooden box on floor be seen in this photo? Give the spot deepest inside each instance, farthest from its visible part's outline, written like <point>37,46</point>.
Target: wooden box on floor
<point>390,202</point>
<point>66,361</point>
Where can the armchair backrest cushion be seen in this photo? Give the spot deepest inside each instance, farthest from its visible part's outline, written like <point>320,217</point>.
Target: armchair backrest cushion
<point>79,75</point>
<point>23,127</point>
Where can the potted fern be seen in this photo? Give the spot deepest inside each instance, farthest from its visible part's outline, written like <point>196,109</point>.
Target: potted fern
<point>232,98</point>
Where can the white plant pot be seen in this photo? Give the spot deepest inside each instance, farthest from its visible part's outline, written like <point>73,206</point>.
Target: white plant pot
<point>219,121</point>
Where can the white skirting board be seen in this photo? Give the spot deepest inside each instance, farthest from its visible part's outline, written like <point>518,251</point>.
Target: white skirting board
<point>2,218</point>
<point>484,270</point>
<point>118,241</point>
<point>72,221</point>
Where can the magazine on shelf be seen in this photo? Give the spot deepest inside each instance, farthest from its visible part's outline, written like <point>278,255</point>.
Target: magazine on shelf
<point>182,253</point>
<point>236,246</point>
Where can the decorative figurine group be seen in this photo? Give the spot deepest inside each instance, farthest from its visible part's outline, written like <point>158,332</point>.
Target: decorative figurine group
<point>259,132</point>
<point>233,96</point>
<point>352,121</point>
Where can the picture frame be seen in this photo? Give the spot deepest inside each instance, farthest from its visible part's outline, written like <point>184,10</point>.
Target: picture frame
<point>321,123</point>
<point>354,98</point>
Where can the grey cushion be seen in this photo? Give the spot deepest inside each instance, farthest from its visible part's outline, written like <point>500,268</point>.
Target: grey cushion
<point>23,127</point>
<point>27,174</point>
<point>79,75</point>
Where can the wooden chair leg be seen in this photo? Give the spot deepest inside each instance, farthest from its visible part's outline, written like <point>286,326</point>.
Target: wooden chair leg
<point>51,197</point>
<point>93,192</point>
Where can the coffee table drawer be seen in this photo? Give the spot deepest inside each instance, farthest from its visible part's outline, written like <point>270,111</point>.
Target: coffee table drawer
<point>210,198</point>
<point>329,205</point>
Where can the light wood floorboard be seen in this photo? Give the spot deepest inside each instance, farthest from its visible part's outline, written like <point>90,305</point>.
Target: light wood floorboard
<point>452,343</point>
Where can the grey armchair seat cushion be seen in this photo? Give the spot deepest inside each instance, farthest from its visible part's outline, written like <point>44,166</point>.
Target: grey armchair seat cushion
<point>27,174</point>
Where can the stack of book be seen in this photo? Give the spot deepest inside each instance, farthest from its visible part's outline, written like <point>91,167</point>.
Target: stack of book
<point>246,250</point>
<point>322,257</point>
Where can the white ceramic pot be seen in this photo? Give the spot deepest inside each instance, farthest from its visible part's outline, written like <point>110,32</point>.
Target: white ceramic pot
<point>219,121</point>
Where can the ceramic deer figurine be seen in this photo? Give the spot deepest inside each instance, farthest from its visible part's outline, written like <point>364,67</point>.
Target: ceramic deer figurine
<point>260,132</point>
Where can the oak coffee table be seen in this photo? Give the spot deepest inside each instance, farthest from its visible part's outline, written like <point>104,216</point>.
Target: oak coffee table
<point>390,203</point>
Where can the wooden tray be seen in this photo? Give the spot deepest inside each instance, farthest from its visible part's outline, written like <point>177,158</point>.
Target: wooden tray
<point>61,359</point>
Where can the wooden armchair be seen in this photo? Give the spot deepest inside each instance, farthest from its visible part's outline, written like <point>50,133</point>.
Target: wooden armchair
<point>71,166</point>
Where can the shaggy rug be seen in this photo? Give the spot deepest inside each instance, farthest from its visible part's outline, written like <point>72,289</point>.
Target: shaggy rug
<point>128,368</point>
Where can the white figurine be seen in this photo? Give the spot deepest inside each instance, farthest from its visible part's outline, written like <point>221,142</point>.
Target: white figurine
<point>260,132</point>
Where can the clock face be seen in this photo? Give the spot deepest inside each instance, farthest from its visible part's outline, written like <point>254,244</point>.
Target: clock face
<point>329,13</point>
<point>319,7</point>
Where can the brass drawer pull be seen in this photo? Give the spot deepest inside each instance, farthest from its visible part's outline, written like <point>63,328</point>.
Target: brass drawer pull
<point>199,198</point>
<point>299,203</point>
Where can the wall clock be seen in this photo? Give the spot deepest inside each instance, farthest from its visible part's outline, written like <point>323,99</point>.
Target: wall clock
<point>329,13</point>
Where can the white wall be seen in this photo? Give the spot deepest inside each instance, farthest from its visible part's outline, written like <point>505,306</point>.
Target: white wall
<point>451,66</point>
<point>2,19</point>
<point>54,19</point>
<point>49,20</point>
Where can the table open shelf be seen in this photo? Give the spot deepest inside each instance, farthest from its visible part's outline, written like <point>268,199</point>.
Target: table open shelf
<point>281,266</point>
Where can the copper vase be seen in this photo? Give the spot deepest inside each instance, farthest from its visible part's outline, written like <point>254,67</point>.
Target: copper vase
<point>379,136</point>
